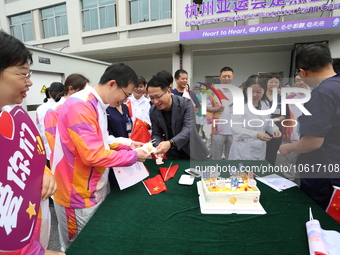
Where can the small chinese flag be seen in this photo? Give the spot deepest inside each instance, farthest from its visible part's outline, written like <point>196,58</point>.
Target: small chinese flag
<point>333,208</point>
<point>128,104</point>
<point>168,172</point>
<point>186,94</point>
<point>155,185</point>
<point>217,92</point>
<point>140,132</point>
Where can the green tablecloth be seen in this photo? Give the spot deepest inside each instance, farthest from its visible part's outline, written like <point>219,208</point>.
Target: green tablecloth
<point>133,222</point>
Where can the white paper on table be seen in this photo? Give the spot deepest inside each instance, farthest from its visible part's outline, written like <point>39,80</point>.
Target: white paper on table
<point>276,182</point>
<point>130,175</point>
<point>322,241</point>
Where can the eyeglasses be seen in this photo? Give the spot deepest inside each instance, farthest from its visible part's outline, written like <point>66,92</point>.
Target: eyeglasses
<point>157,97</point>
<point>299,70</point>
<point>126,95</point>
<point>26,76</point>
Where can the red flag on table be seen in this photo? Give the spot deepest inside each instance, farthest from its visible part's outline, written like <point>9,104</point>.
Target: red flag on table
<point>168,172</point>
<point>140,132</point>
<point>155,185</point>
<point>333,208</point>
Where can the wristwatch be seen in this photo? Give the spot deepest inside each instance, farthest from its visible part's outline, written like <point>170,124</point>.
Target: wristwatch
<point>172,143</point>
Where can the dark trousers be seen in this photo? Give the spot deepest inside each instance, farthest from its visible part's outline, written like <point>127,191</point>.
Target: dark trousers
<point>112,179</point>
<point>272,148</point>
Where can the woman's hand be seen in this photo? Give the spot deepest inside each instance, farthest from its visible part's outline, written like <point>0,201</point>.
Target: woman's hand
<point>49,186</point>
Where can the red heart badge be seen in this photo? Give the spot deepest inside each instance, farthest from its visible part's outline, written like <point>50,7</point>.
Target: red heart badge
<point>6,125</point>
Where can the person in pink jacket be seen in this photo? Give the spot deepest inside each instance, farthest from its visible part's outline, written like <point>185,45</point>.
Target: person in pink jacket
<point>73,83</point>
<point>83,151</point>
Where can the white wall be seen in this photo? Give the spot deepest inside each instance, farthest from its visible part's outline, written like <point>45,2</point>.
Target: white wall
<point>148,68</point>
<point>61,65</point>
<point>66,64</point>
<point>243,65</point>
<point>39,80</point>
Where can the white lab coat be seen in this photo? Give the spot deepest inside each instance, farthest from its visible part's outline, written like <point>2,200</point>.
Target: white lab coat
<point>246,145</point>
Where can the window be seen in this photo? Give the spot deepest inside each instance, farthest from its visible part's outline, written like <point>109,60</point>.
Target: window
<point>148,10</point>
<point>54,21</point>
<point>21,27</point>
<point>99,14</point>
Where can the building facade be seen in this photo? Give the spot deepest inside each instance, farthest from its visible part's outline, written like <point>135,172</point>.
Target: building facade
<point>201,36</point>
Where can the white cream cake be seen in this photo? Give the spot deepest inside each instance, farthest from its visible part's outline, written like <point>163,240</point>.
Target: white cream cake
<point>219,191</point>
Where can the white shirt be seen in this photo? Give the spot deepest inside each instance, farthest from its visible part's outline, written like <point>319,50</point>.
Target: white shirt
<point>40,115</point>
<point>246,145</point>
<point>140,109</point>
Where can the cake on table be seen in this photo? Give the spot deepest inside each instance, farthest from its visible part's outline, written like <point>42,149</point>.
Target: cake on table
<point>236,194</point>
<point>229,191</point>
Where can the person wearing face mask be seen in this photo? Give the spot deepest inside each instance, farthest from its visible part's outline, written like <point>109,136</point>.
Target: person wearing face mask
<point>84,151</point>
<point>273,81</point>
<point>249,141</point>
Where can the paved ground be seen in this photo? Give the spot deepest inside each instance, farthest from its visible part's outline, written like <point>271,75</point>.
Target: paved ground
<point>54,244</point>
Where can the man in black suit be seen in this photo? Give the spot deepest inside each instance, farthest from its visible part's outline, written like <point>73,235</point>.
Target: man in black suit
<point>173,120</point>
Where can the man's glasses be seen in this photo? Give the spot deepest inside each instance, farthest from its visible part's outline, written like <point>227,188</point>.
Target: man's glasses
<point>157,97</point>
<point>299,70</point>
<point>126,95</point>
<point>26,76</point>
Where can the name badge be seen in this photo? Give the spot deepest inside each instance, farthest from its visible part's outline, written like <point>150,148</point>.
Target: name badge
<point>128,126</point>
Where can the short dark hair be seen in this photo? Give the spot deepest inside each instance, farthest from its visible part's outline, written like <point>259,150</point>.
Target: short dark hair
<point>336,65</point>
<point>178,73</point>
<point>313,57</point>
<point>158,82</point>
<point>121,73</point>
<point>56,90</point>
<point>255,79</point>
<point>167,75</point>
<point>274,75</point>
<point>13,52</point>
<point>226,68</point>
<point>76,81</point>
<point>142,80</point>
